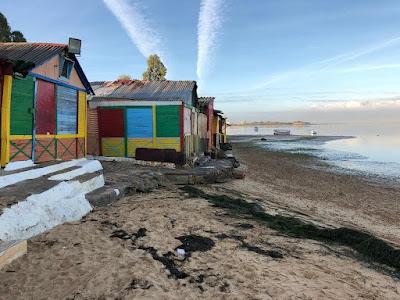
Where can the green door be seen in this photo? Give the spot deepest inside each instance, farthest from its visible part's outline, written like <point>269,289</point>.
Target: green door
<point>21,118</point>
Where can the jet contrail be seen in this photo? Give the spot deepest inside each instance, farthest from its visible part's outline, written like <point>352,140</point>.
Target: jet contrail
<point>328,64</point>
<point>209,24</point>
<point>129,14</point>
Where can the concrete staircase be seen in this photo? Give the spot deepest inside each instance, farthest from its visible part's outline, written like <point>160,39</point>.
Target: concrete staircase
<point>38,198</point>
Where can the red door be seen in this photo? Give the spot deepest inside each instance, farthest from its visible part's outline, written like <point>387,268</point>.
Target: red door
<point>111,122</point>
<point>45,122</point>
<point>45,108</point>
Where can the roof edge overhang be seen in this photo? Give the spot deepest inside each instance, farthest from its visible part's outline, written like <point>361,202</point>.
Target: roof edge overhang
<point>107,102</point>
<point>24,67</point>
<point>82,75</point>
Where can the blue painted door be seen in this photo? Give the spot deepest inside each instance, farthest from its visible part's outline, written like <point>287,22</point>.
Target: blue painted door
<point>139,122</point>
<point>67,110</point>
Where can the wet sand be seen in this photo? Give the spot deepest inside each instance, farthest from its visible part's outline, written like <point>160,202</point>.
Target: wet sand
<point>307,185</point>
<point>128,250</point>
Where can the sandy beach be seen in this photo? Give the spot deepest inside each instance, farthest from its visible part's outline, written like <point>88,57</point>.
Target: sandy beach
<point>128,250</point>
<point>310,186</point>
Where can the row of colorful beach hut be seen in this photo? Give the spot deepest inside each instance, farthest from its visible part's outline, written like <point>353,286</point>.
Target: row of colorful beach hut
<point>50,111</point>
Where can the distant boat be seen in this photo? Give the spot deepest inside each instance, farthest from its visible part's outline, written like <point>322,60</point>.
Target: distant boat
<point>281,132</point>
<point>313,132</point>
<point>256,129</point>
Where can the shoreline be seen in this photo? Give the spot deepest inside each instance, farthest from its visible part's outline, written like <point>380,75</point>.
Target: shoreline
<point>307,183</point>
<point>320,162</point>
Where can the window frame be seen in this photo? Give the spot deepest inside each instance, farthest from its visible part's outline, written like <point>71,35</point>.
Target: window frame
<point>63,60</point>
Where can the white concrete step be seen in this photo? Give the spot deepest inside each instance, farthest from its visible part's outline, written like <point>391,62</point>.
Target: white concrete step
<point>62,202</point>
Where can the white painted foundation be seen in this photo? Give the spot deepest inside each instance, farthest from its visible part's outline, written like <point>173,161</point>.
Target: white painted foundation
<point>38,213</point>
<point>86,166</point>
<point>36,173</point>
<point>16,165</point>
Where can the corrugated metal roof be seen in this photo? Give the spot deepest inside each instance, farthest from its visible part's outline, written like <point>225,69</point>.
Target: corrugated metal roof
<point>167,90</point>
<point>34,53</point>
<point>206,100</point>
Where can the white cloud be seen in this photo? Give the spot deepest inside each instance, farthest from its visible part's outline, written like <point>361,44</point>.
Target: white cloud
<point>329,64</point>
<point>137,26</point>
<point>209,25</point>
<point>357,104</point>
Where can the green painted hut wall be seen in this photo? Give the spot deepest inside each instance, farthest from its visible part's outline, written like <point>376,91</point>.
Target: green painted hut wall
<point>23,91</point>
<point>168,121</point>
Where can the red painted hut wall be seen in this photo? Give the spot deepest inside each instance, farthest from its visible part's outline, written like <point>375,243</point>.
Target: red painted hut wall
<point>111,122</point>
<point>45,108</point>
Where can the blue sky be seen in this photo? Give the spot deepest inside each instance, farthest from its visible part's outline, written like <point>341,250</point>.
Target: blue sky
<point>286,59</point>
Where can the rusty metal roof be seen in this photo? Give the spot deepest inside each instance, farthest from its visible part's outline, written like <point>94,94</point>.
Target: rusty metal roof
<point>33,53</point>
<point>167,90</point>
<point>206,100</point>
<point>30,55</point>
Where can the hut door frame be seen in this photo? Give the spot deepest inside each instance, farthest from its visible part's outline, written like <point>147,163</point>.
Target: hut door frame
<point>1,105</point>
<point>34,120</point>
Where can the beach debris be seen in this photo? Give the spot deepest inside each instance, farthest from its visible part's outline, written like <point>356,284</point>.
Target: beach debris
<point>249,247</point>
<point>139,284</point>
<point>193,243</point>
<point>224,288</point>
<point>121,234</point>
<point>371,248</point>
<point>116,191</point>
<point>167,260</point>
<point>263,139</point>
<point>140,233</point>
<point>245,226</point>
<point>180,251</point>
<point>238,174</point>
<point>258,250</point>
<point>124,235</point>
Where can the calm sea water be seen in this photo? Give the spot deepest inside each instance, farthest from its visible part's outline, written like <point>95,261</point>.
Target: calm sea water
<point>372,148</point>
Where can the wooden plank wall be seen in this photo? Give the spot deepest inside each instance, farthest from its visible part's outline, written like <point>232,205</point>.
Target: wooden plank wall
<point>123,130</point>
<point>139,122</point>
<point>22,97</point>
<point>69,142</point>
<point>93,140</point>
<point>67,110</point>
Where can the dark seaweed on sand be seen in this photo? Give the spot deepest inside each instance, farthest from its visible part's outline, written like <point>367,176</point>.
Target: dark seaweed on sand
<point>367,245</point>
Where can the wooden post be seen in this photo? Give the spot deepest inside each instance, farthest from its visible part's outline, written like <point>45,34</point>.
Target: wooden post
<point>154,124</point>
<point>182,133</point>
<point>34,121</point>
<point>126,131</point>
<point>5,120</point>
<point>82,119</point>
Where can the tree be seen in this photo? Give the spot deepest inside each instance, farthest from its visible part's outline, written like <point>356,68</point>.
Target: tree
<point>5,30</point>
<point>17,36</point>
<point>124,77</point>
<point>6,35</point>
<point>156,70</point>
